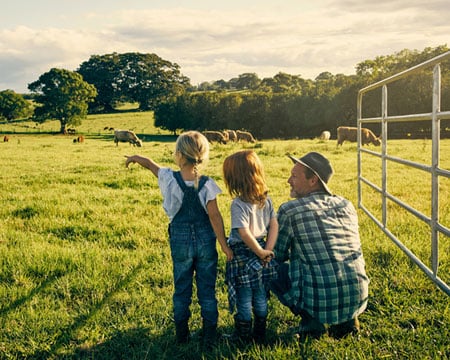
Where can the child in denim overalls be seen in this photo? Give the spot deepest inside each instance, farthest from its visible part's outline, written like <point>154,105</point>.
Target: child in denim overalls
<point>189,201</point>
<point>253,220</point>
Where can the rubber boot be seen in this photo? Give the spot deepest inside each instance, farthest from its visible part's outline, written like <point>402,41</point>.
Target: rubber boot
<point>259,330</point>
<point>209,335</point>
<point>310,327</point>
<point>242,330</point>
<point>350,327</point>
<point>182,331</point>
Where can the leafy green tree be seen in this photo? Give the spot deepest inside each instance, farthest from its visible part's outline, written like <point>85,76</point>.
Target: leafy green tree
<point>62,95</point>
<point>169,117</point>
<point>135,77</point>
<point>175,114</point>
<point>288,106</point>
<point>253,112</point>
<point>103,72</point>
<point>14,106</point>
<point>227,111</point>
<point>283,83</point>
<point>249,81</point>
<point>220,85</point>
<point>405,96</point>
<point>204,111</point>
<point>278,124</point>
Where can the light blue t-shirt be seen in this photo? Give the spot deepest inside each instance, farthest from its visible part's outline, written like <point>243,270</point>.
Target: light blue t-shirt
<point>251,216</point>
<point>173,195</point>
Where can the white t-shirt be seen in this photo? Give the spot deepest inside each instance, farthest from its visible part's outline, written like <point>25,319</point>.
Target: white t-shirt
<point>173,195</point>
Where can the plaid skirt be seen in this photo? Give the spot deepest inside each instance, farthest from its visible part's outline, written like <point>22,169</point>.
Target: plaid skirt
<point>247,270</point>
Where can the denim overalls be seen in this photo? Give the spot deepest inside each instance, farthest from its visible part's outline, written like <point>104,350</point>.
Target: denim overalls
<point>193,249</point>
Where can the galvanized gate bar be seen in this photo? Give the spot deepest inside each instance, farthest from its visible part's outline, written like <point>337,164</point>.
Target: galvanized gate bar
<point>435,116</point>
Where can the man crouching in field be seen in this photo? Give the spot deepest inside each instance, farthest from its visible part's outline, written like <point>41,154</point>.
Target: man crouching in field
<point>322,275</point>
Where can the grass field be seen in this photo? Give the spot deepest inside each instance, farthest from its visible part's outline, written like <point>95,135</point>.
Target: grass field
<point>85,264</point>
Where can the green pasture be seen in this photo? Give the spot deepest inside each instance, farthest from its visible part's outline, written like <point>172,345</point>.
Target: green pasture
<point>85,264</point>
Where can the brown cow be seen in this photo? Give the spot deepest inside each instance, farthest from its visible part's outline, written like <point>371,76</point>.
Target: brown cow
<point>126,136</point>
<point>215,136</point>
<point>245,136</point>
<point>350,134</point>
<point>231,135</point>
<point>5,138</point>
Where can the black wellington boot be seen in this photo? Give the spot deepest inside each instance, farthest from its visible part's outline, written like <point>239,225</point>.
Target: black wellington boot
<point>209,335</point>
<point>242,330</point>
<point>259,330</point>
<point>182,331</point>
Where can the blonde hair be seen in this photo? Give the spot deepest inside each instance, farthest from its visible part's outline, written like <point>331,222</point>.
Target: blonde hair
<point>194,147</point>
<point>244,177</point>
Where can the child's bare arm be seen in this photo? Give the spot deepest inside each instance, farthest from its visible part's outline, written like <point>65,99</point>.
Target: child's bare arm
<point>144,162</point>
<point>253,244</point>
<point>272,234</point>
<point>216,220</point>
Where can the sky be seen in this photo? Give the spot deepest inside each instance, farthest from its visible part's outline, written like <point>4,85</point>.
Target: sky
<point>212,40</point>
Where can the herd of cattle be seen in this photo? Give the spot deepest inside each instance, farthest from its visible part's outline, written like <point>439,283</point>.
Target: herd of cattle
<point>226,136</point>
<point>222,137</point>
<point>344,133</point>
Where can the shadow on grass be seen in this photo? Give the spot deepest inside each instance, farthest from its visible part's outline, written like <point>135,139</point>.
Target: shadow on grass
<point>22,300</point>
<point>138,343</point>
<point>144,137</point>
<point>68,334</point>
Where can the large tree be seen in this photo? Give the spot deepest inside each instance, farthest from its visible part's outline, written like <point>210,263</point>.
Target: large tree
<point>13,105</point>
<point>104,73</point>
<point>135,77</point>
<point>62,95</point>
<point>248,81</point>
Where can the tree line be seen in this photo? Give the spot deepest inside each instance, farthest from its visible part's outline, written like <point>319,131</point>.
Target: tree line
<point>288,106</point>
<point>283,106</point>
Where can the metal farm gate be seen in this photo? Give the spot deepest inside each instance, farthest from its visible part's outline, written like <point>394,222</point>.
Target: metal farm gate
<point>434,170</point>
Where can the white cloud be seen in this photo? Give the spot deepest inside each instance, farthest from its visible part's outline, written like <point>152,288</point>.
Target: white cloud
<point>211,44</point>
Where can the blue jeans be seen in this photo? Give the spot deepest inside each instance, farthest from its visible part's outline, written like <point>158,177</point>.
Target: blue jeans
<point>193,250</point>
<point>248,299</point>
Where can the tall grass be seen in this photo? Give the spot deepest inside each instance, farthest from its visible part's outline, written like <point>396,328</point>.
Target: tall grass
<point>85,268</point>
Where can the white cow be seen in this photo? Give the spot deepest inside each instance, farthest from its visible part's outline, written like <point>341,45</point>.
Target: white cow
<point>326,135</point>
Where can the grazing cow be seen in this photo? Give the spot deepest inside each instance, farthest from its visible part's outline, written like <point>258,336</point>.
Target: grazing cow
<point>5,138</point>
<point>215,136</point>
<point>126,136</point>
<point>80,139</point>
<point>245,136</point>
<point>350,134</point>
<point>231,135</point>
<point>325,135</point>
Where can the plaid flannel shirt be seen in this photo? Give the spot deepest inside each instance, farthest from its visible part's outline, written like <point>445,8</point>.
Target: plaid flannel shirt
<point>318,235</point>
<point>246,270</point>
